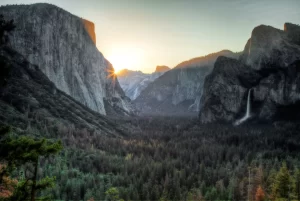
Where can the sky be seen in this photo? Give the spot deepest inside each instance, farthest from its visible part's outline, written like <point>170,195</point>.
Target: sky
<point>141,34</point>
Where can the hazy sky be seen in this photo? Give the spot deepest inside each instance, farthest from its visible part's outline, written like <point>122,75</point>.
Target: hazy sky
<point>140,34</point>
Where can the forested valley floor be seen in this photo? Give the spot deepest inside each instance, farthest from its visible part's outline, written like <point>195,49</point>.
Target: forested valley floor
<point>177,159</point>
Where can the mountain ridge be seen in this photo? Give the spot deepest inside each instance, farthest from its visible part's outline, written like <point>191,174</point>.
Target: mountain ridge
<point>179,90</point>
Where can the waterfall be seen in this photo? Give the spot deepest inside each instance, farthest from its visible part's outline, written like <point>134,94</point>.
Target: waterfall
<point>248,110</point>
<point>247,115</point>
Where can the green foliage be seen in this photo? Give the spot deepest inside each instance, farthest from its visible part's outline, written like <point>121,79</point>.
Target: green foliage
<point>112,194</point>
<point>297,183</point>
<point>16,151</point>
<point>197,162</point>
<point>194,195</point>
<point>283,183</point>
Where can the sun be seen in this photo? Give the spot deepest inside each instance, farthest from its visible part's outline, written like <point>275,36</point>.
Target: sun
<point>125,57</point>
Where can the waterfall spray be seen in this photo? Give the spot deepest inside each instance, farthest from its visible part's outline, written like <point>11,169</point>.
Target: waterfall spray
<point>248,110</point>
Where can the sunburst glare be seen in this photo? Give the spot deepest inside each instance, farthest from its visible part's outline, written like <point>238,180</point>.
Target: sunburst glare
<point>126,57</point>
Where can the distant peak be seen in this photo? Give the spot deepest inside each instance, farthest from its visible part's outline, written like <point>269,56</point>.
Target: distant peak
<point>127,72</point>
<point>263,30</point>
<point>123,72</point>
<point>207,59</point>
<point>288,26</point>
<point>161,69</point>
<point>222,51</point>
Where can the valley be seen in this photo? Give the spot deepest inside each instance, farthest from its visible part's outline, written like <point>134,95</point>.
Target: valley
<point>176,159</point>
<point>224,126</point>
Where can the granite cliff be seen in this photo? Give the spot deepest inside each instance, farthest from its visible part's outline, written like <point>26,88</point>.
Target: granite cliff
<point>269,66</point>
<point>63,46</point>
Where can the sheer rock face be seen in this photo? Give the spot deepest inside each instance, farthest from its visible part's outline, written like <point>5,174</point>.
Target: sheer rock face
<point>269,66</point>
<point>225,89</point>
<point>59,43</point>
<point>278,94</point>
<point>173,93</point>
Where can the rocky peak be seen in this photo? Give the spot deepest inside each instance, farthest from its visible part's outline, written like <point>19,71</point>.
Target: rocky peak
<point>161,69</point>
<point>269,47</point>
<point>293,32</point>
<point>126,73</point>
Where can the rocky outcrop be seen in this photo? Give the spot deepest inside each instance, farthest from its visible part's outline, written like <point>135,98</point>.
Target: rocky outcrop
<point>269,66</point>
<point>134,82</point>
<point>59,43</point>
<point>269,47</point>
<point>178,92</point>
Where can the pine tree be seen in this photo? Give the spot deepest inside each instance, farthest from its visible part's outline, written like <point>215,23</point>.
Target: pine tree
<point>297,183</point>
<point>271,182</point>
<point>112,194</point>
<point>282,185</point>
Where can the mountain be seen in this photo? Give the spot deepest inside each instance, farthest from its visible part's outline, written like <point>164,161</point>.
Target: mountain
<point>29,100</point>
<point>162,69</point>
<point>179,90</point>
<point>134,82</point>
<point>63,46</point>
<point>268,72</point>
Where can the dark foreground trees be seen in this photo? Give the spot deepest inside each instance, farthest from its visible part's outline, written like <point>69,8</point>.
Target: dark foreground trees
<point>196,162</point>
<point>15,153</point>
